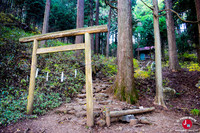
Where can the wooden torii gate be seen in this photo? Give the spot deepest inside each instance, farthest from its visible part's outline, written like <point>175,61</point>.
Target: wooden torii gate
<point>88,68</point>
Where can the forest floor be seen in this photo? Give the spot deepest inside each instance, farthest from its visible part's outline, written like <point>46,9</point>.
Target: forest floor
<point>71,117</point>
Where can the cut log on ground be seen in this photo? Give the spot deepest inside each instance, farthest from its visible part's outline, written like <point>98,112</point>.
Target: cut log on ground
<point>125,112</point>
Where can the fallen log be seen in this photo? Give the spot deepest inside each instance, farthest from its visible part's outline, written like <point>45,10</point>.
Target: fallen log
<point>124,112</point>
<point>129,112</point>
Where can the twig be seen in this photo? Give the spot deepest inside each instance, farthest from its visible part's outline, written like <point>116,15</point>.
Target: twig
<point>107,3</point>
<point>194,22</point>
<point>147,5</point>
<point>161,15</point>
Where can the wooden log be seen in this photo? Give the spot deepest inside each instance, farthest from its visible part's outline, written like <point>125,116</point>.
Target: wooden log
<point>88,76</point>
<point>32,78</point>
<point>108,116</point>
<point>128,112</point>
<point>74,32</point>
<point>60,48</point>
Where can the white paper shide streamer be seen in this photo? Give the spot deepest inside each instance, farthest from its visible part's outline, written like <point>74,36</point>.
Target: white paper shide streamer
<point>36,73</point>
<point>62,77</point>
<point>75,73</point>
<point>47,76</point>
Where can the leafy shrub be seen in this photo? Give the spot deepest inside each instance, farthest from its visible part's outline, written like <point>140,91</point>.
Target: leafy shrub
<point>195,112</point>
<point>193,67</point>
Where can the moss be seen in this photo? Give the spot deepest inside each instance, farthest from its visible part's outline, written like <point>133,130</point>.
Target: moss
<point>121,93</point>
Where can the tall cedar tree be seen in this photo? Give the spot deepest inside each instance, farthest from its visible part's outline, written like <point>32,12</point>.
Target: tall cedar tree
<point>173,56</point>
<point>79,22</point>
<point>159,88</point>
<point>91,23</point>
<point>124,87</point>
<point>108,34</point>
<point>46,19</point>
<point>97,23</point>
<point>197,3</point>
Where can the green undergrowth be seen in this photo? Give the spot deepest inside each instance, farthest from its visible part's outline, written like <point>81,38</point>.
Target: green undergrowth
<point>15,71</point>
<point>140,73</point>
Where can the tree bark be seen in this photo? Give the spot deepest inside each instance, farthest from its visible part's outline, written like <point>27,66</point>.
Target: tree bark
<point>173,56</point>
<point>124,86</point>
<point>108,34</point>
<point>46,19</point>
<point>97,23</point>
<point>91,23</point>
<point>159,88</point>
<point>197,3</point>
<point>79,23</point>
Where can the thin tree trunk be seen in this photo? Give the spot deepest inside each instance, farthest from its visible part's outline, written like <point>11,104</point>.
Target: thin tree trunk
<point>173,56</point>
<point>97,23</point>
<point>108,34</point>
<point>159,88</point>
<point>79,22</point>
<point>124,86</point>
<point>46,19</point>
<point>91,23</point>
<point>197,2</point>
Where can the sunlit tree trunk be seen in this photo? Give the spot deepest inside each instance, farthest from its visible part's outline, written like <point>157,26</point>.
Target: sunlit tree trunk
<point>108,34</point>
<point>124,86</point>
<point>159,88</point>
<point>197,2</point>
<point>79,22</point>
<point>46,19</point>
<point>97,23</point>
<point>173,56</point>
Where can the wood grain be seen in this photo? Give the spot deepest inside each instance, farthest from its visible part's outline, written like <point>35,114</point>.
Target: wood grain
<point>60,48</point>
<point>73,32</point>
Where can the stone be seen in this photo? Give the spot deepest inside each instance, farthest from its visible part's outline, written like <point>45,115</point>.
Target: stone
<point>101,123</point>
<point>81,96</point>
<point>133,122</point>
<point>127,118</point>
<point>144,120</point>
<point>101,96</point>
<point>168,93</point>
<point>83,91</point>
<point>68,108</point>
<point>71,112</point>
<point>105,102</point>
<point>98,89</point>
<point>80,114</point>
<point>82,103</point>
<point>78,108</point>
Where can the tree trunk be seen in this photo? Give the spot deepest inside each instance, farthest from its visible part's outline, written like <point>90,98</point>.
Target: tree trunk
<point>108,34</point>
<point>46,19</point>
<point>97,23</point>
<point>173,56</point>
<point>197,2</point>
<point>91,23</point>
<point>79,23</point>
<point>124,86</point>
<point>159,88</point>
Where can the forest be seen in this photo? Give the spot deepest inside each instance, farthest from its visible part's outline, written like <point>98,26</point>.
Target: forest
<point>99,66</point>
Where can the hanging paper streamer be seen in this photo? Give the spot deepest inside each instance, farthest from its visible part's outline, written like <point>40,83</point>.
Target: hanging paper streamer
<point>75,73</point>
<point>62,77</point>
<point>47,76</point>
<point>36,73</point>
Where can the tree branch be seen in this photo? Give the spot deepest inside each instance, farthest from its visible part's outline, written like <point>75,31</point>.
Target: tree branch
<point>194,22</point>
<point>147,5</point>
<point>107,3</point>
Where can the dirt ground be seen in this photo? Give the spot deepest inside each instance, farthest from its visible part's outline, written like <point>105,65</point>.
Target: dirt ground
<point>71,117</point>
